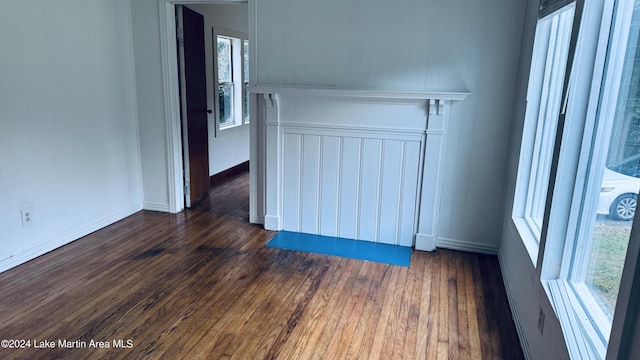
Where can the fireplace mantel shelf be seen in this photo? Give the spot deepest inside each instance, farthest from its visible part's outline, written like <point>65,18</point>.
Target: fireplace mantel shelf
<point>359,93</point>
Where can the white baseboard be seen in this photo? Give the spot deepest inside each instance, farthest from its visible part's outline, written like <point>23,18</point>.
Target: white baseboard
<point>468,246</point>
<point>526,350</point>
<point>272,222</point>
<point>257,220</point>
<point>155,206</point>
<point>425,242</point>
<point>67,237</point>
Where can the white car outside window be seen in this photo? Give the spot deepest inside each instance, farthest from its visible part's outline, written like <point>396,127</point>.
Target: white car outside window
<point>619,190</point>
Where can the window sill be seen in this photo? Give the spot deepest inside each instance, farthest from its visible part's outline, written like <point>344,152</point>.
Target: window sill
<point>581,333</point>
<point>232,126</point>
<point>531,242</point>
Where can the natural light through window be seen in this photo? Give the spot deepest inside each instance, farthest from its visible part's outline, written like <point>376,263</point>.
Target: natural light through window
<point>225,82</point>
<point>544,98</point>
<point>232,70</point>
<point>597,177</point>
<point>245,81</point>
<point>610,204</point>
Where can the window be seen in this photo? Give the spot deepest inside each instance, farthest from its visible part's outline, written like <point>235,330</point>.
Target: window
<point>591,169</point>
<point>225,82</point>
<point>231,68</point>
<point>245,81</point>
<point>546,80</point>
<point>605,199</point>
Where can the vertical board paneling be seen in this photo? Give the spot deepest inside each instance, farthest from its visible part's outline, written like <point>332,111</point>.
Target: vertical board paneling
<point>310,184</point>
<point>391,187</point>
<point>329,185</point>
<point>305,51</point>
<point>290,40</point>
<point>350,187</point>
<point>411,174</point>
<point>386,44</point>
<point>334,44</point>
<point>291,181</point>
<point>369,194</point>
<point>364,42</point>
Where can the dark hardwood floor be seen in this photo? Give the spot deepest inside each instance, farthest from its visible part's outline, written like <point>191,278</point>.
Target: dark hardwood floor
<point>201,284</point>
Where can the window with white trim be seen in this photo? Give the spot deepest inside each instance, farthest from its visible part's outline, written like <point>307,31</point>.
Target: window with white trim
<point>245,81</point>
<point>594,169</point>
<point>544,95</point>
<point>231,69</point>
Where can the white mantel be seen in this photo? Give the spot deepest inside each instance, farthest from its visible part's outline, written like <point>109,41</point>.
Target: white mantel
<point>359,93</point>
<point>355,163</point>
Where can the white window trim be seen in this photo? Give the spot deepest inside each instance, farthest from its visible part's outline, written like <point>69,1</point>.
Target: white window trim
<point>537,122</point>
<point>587,328</point>
<point>237,68</point>
<point>245,82</point>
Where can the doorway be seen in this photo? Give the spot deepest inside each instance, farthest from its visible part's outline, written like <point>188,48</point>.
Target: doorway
<point>167,12</point>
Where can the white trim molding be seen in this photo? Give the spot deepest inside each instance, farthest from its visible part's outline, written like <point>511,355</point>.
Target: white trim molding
<point>359,93</point>
<point>273,168</point>
<point>299,113</point>
<point>431,182</point>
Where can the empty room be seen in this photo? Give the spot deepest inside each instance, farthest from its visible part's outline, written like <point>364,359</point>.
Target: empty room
<point>319,179</point>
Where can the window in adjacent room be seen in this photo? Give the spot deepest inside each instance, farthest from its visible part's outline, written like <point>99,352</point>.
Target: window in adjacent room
<point>245,81</point>
<point>231,69</point>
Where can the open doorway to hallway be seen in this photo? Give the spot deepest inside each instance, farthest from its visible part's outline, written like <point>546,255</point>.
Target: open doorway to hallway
<point>225,55</point>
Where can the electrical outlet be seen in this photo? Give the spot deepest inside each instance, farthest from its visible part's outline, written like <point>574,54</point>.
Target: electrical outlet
<point>27,217</point>
<point>541,321</point>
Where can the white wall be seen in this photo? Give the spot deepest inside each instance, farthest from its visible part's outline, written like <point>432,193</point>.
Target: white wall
<point>415,45</point>
<point>68,128</point>
<point>151,111</point>
<point>228,147</point>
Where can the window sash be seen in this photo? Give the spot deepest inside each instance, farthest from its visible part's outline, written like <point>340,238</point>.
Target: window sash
<point>572,214</point>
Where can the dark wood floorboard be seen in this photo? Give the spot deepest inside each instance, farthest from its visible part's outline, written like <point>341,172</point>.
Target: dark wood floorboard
<point>202,285</point>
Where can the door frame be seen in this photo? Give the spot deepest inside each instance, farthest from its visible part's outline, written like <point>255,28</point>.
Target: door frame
<point>170,88</point>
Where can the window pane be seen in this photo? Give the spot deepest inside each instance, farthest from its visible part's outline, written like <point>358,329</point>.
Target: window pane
<point>245,94</point>
<point>225,73</point>
<point>245,103</point>
<point>225,103</point>
<point>245,55</point>
<point>616,202</point>
<point>544,98</point>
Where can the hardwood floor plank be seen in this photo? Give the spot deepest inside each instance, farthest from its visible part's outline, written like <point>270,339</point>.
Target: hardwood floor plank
<point>414,306</point>
<point>434,313</point>
<point>318,349</point>
<point>464,344</point>
<point>201,284</point>
<point>310,320</point>
<point>475,345</point>
<point>361,348</point>
<point>344,331</point>
<point>380,340</point>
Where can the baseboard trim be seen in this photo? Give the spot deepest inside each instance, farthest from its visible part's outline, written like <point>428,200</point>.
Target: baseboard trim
<point>425,242</point>
<point>67,238</point>
<point>272,222</point>
<point>154,206</point>
<point>229,173</point>
<point>468,246</point>
<point>515,314</point>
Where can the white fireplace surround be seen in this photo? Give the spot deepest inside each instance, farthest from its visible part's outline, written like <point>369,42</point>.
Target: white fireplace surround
<point>358,164</point>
